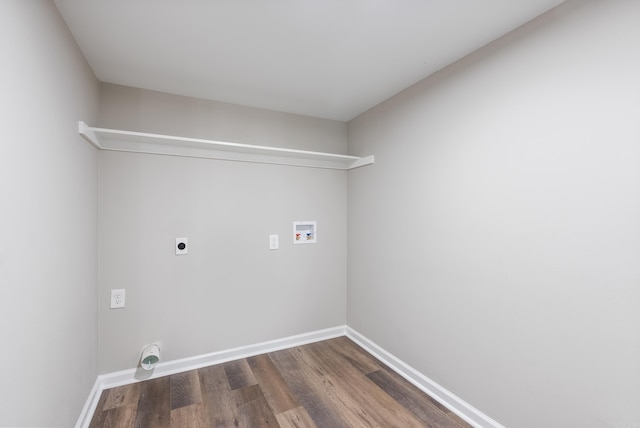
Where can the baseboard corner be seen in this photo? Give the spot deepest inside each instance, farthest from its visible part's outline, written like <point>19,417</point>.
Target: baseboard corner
<point>84,420</point>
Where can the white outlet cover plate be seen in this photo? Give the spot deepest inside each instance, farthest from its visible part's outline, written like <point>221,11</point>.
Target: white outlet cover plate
<point>117,298</point>
<point>184,251</point>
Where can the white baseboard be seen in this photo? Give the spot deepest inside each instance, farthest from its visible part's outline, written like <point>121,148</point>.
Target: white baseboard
<point>458,406</point>
<point>125,377</point>
<point>90,406</point>
<point>445,397</point>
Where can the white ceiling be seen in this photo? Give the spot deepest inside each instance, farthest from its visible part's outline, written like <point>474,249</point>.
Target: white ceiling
<point>326,58</point>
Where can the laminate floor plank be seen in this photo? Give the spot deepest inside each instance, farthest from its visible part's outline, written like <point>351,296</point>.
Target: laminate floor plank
<point>154,405</point>
<point>253,409</point>
<point>353,355</point>
<point>430,415</point>
<point>122,396</point>
<point>119,417</point>
<point>239,374</point>
<point>363,404</point>
<point>275,389</point>
<point>184,389</point>
<point>295,418</point>
<point>191,416</point>
<point>418,393</point>
<point>328,384</point>
<point>309,392</point>
<point>430,412</point>
<point>97,421</point>
<point>220,407</point>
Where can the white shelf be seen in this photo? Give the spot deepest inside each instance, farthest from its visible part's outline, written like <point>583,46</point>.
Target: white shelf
<point>140,142</point>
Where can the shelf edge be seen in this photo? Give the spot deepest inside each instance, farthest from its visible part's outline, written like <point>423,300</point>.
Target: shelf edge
<point>87,133</point>
<point>140,142</point>
<point>360,162</point>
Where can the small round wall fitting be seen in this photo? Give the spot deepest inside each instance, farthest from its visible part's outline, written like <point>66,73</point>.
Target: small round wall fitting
<point>150,357</point>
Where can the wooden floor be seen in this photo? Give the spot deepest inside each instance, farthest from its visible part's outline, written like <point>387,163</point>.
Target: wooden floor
<point>329,384</point>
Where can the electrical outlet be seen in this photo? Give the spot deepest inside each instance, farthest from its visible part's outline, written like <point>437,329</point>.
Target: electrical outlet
<point>181,246</point>
<point>117,299</point>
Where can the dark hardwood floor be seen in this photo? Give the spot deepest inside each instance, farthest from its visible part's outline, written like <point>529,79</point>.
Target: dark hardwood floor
<point>328,384</point>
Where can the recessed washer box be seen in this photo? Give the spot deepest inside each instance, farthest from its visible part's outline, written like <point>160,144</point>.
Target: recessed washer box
<point>305,232</point>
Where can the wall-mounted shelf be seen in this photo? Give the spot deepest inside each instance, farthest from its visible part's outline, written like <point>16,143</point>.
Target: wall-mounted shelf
<point>140,142</point>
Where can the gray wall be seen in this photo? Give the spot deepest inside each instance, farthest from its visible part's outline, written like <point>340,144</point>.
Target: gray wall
<point>48,220</point>
<point>495,244</point>
<point>230,290</point>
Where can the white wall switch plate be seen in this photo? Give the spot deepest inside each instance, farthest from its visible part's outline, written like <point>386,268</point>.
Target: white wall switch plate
<point>182,246</point>
<point>117,298</point>
<point>273,242</point>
